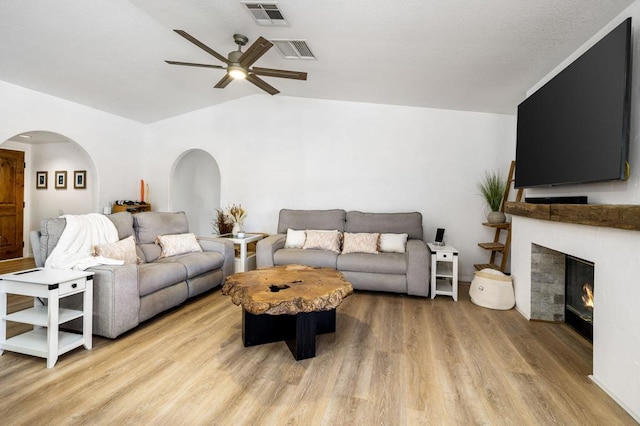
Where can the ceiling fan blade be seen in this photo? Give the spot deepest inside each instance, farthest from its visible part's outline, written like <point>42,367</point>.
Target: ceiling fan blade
<point>270,72</point>
<point>191,64</point>
<point>255,51</point>
<point>224,82</point>
<point>202,46</point>
<point>262,84</point>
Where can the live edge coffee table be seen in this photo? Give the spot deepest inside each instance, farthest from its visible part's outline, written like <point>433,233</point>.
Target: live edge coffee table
<point>292,303</point>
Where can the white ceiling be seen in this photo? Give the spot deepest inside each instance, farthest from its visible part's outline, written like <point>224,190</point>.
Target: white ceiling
<point>454,54</point>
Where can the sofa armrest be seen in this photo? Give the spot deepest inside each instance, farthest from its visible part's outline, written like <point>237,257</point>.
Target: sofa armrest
<point>266,248</point>
<point>222,246</point>
<point>418,268</point>
<point>34,238</point>
<point>116,299</point>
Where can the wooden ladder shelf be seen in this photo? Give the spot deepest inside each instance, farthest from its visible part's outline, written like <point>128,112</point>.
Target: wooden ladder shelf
<point>501,244</point>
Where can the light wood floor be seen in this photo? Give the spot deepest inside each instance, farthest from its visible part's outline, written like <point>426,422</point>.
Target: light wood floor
<point>393,360</point>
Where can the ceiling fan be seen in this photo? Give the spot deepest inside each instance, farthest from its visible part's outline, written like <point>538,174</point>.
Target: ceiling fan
<point>239,63</point>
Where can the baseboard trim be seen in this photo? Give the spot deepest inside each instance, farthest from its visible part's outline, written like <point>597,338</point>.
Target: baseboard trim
<point>522,313</point>
<point>635,416</point>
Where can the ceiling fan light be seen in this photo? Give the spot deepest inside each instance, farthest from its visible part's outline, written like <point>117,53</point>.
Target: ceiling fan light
<point>237,73</point>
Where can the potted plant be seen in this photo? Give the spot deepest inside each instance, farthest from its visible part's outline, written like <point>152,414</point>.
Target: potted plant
<point>492,189</point>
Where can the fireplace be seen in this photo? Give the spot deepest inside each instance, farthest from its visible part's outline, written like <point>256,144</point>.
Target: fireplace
<point>562,289</point>
<point>578,301</point>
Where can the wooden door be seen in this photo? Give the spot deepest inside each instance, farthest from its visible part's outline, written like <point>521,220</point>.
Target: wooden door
<point>11,203</point>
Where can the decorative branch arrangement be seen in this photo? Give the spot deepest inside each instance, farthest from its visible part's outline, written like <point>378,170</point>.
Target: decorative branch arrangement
<point>225,220</point>
<point>220,225</point>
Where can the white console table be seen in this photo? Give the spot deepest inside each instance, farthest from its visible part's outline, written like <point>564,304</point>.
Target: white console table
<point>45,340</point>
<point>444,271</point>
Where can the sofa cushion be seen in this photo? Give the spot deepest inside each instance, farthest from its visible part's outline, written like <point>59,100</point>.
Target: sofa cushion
<point>155,276</point>
<point>387,223</point>
<point>124,249</point>
<point>123,222</point>
<point>383,263</point>
<point>322,240</point>
<point>295,239</point>
<point>360,243</point>
<point>393,243</point>
<point>311,219</point>
<point>175,244</point>
<point>150,252</point>
<point>148,225</point>
<point>319,258</point>
<point>196,263</point>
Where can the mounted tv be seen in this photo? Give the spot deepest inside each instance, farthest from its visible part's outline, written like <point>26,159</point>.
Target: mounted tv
<point>575,128</point>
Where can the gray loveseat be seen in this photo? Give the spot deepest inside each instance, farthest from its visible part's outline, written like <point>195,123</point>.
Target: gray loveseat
<point>126,295</point>
<point>407,272</point>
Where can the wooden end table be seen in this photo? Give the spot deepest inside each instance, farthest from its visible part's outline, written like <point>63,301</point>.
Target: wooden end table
<point>290,303</point>
<point>45,340</point>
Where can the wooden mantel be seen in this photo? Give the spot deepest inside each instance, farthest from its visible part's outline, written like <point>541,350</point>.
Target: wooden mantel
<point>619,216</point>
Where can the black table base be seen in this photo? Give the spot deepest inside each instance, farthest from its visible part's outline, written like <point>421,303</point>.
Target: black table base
<point>298,331</point>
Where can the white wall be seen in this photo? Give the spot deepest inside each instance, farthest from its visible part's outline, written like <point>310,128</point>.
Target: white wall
<point>616,254</point>
<point>280,152</point>
<point>195,189</point>
<point>113,143</point>
<point>277,152</point>
<point>52,202</point>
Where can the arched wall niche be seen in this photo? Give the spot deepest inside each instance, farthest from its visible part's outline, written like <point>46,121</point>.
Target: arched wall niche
<point>194,188</point>
<point>49,152</point>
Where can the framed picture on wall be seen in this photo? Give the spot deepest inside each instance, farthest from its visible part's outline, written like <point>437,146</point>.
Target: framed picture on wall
<point>41,180</point>
<point>61,179</point>
<point>80,179</point>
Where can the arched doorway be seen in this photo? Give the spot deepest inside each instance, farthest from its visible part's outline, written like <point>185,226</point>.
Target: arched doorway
<point>49,154</point>
<point>195,189</point>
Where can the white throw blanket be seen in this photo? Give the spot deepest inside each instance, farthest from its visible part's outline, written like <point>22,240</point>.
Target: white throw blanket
<point>75,247</point>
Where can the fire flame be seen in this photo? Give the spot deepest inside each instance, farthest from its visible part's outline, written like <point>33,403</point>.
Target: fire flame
<point>587,296</point>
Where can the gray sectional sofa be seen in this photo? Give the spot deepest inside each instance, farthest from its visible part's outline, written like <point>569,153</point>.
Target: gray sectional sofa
<point>407,272</point>
<point>126,295</point>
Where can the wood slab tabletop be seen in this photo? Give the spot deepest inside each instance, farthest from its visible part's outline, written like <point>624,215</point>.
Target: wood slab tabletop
<point>287,289</point>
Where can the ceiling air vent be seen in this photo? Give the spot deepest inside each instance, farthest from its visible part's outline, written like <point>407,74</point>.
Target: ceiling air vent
<point>294,49</point>
<point>266,13</point>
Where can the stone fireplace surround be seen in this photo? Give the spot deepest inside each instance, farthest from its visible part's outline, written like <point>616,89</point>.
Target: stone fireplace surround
<point>616,333</point>
<point>547,284</point>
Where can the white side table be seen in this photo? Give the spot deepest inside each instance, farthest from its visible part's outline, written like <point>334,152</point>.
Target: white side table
<point>245,261</point>
<point>444,271</point>
<point>45,340</point>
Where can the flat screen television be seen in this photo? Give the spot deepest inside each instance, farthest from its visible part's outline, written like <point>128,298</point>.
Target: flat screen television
<point>575,128</point>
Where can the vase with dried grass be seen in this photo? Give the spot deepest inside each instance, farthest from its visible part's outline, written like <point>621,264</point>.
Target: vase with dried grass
<point>234,216</point>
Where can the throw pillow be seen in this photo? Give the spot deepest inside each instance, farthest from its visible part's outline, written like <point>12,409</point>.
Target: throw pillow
<point>393,243</point>
<point>323,240</point>
<point>124,249</point>
<point>175,244</point>
<point>360,243</point>
<point>295,239</point>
